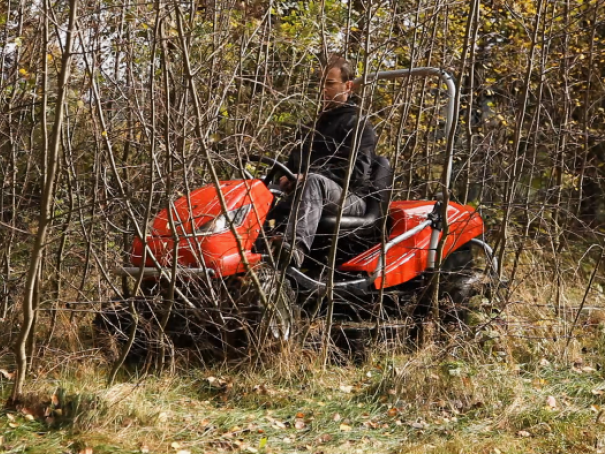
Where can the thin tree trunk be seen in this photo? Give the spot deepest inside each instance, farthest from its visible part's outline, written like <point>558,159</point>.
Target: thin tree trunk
<point>45,209</point>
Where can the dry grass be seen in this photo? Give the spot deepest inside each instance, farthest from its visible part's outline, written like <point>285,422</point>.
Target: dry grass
<point>447,398</point>
<point>512,386</point>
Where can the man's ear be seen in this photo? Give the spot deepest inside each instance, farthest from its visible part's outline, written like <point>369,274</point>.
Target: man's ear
<point>349,86</point>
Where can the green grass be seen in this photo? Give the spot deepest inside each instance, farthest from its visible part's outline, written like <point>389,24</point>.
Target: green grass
<point>510,391</point>
<point>484,408</point>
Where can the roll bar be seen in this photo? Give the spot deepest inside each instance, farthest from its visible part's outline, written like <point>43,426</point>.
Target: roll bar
<point>445,77</point>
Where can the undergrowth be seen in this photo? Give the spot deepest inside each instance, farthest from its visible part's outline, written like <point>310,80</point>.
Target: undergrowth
<point>523,379</point>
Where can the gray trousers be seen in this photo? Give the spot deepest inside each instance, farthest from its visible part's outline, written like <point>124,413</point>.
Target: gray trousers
<point>319,194</point>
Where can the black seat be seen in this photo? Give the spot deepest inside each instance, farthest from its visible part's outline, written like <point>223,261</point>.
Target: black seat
<point>376,202</point>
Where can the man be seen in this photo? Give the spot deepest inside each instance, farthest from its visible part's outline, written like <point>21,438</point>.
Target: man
<point>324,159</point>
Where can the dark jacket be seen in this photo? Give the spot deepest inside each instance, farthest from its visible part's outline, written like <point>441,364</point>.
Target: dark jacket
<point>330,145</point>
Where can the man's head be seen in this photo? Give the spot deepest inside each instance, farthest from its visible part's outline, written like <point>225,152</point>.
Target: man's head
<point>338,81</point>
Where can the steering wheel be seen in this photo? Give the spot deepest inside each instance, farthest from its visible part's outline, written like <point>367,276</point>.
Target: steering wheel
<point>276,167</point>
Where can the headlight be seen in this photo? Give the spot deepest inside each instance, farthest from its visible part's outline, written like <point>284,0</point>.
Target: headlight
<point>221,223</point>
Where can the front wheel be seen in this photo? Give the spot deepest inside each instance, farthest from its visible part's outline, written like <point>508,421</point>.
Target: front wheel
<point>258,313</point>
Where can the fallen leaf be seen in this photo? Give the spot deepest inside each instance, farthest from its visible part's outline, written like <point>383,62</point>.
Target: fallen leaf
<point>299,424</point>
<point>597,392</point>
<point>204,423</point>
<point>10,416</point>
<point>345,428</point>
<point>392,412</point>
<point>144,449</point>
<point>54,399</point>
<point>87,450</point>
<point>29,417</point>
<point>523,434</point>
<point>336,417</point>
<point>175,445</point>
<point>12,425</point>
<point>275,423</point>
<point>371,424</point>
<point>262,443</point>
<point>183,451</point>
<point>324,438</point>
<point>300,415</point>
<point>551,402</point>
<point>346,389</point>
<point>251,449</point>
<point>6,374</point>
<point>262,390</point>
<point>163,417</point>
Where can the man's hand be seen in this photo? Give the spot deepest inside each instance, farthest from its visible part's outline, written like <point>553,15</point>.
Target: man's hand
<point>288,186</point>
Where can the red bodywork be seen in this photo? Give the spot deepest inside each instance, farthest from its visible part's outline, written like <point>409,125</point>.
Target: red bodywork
<point>408,259</point>
<point>219,251</point>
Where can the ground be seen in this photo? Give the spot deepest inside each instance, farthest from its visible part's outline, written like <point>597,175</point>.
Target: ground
<point>465,395</point>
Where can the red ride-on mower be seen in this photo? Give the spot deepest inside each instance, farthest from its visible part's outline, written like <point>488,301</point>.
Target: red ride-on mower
<point>208,268</point>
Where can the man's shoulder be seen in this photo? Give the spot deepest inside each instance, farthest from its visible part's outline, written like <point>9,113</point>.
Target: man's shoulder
<point>350,114</point>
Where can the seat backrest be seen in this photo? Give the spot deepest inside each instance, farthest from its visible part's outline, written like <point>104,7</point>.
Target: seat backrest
<point>376,202</point>
<point>381,179</point>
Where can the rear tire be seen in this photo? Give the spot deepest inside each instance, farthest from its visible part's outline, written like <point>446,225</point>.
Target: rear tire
<point>466,279</point>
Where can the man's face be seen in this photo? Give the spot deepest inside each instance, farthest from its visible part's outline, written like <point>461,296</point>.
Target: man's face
<point>336,91</point>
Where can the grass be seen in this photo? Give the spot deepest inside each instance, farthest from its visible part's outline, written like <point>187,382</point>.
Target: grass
<point>517,387</point>
<point>436,401</point>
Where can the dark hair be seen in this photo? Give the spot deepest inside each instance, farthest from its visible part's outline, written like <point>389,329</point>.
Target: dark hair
<point>337,61</point>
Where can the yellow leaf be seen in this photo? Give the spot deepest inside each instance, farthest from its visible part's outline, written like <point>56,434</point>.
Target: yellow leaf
<point>104,133</point>
<point>262,443</point>
<point>345,428</point>
<point>23,72</point>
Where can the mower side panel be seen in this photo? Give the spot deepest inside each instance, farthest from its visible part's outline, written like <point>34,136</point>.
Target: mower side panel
<point>409,258</point>
<point>218,251</point>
